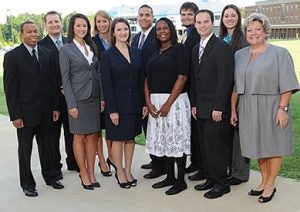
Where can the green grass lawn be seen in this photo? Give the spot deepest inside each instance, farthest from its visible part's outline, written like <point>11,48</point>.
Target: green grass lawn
<point>290,167</point>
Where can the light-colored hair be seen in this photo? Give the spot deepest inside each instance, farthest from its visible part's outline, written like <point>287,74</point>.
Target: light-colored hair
<point>263,19</point>
<point>104,15</point>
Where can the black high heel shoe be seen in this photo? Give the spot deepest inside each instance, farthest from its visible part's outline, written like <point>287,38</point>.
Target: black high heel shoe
<point>263,199</point>
<point>88,187</point>
<point>255,192</point>
<point>109,163</point>
<point>105,174</point>
<point>123,185</point>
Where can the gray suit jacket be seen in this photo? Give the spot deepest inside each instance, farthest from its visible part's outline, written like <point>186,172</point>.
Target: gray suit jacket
<point>80,79</point>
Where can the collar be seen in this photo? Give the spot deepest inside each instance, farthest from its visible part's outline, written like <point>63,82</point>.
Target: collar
<point>205,41</point>
<point>147,32</point>
<point>30,49</point>
<point>54,39</point>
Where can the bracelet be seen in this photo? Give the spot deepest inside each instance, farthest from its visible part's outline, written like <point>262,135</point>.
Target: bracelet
<point>285,108</point>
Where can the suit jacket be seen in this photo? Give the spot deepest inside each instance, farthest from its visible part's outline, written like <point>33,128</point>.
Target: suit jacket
<point>192,39</point>
<point>30,90</point>
<point>212,79</point>
<point>99,45</point>
<point>122,81</point>
<point>79,78</point>
<point>149,47</point>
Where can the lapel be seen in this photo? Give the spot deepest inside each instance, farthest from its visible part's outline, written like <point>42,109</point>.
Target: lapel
<point>208,48</point>
<point>42,56</point>
<point>120,55</point>
<point>189,37</point>
<point>148,39</point>
<point>51,44</point>
<point>78,52</point>
<point>28,57</point>
<point>135,41</point>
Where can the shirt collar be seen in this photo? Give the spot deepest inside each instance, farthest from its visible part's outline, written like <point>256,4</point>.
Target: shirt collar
<point>205,41</point>
<point>54,39</point>
<point>30,49</point>
<point>147,32</point>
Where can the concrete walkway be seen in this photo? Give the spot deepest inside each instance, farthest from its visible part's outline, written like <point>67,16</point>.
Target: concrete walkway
<point>112,198</point>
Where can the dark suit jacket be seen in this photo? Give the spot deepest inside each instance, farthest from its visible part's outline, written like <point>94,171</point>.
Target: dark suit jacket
<point>122,81</point>
<point>212,79</point>
<point>149,46</point>
<point>99,45</point>
<point>192,39</point>
<point>31,92</point>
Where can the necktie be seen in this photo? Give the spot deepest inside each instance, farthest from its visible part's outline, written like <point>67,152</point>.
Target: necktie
<point>201,50</point>
<point>58,44</point>
<point>142,41</point>
<point>34,58</point>
<point>184,37</point>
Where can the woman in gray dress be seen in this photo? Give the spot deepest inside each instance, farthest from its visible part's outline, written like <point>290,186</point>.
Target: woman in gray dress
<point>82,87</point>
<point>265,79</point>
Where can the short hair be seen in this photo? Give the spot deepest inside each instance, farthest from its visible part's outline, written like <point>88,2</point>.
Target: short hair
<point>146,6</point>
<point>263,19</point>
<point>25,23</point>
<point>189,6</point>
<point>171,26</point>
<point>52,12</point>
<point>104,15</point>
<point>210,13</point>
<point>113,26</point>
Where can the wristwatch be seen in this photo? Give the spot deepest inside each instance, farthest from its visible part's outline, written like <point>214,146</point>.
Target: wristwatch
<point>285,108</point>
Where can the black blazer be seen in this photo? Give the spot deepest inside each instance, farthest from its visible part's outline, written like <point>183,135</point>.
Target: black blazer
<point>30,90</point>
<point>212,79</point>
<point>99,45</point>
<point>192,40</point>
<point>149,47</point>
<point>122,81</point>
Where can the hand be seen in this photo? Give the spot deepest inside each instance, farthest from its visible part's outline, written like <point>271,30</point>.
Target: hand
<point>18,123</point>
<point>74,112</point>
<point>234,118</point>
<point>194,112</point>
<point>153,111</point>
<point>114,118</point>
<point>282,118</point>
<point>164,110</point>
<point>102,106</point>
<point>216,115</point>
<point>62,90</point>
<point>55,116</point>
<point>145,112</point>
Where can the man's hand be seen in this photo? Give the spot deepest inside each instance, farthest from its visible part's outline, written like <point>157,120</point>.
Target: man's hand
<point>18,123</point>
<point>55,116</point>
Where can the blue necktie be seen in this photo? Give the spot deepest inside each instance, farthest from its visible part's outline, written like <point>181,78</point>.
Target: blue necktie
<point>142,41</point>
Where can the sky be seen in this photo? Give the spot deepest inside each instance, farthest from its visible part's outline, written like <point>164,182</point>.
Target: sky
<point>65,7</point>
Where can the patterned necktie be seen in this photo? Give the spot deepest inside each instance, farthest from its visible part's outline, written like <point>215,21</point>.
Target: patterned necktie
<point>34,57</point>
<point>58,44</point>
<point>201,50</point>
<point>142,41</point>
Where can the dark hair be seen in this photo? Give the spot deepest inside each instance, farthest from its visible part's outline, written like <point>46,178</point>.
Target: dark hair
<point>87,38</point>
<point>172,30</point>
<point>146,6</point>
<point>210,13</point>
<point>52,13</point>
<point>24,23</point>
<point>113,26</point>
<point>189,6</point>
<point>237,32</point>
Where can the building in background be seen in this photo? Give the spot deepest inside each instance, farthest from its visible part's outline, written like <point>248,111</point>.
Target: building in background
<point>284,16</point>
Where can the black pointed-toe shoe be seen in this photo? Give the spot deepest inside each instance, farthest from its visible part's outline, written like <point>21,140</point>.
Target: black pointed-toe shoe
<point>56,184</point>
<point>216,192</point>
<point>204,186</point>
<point>176,188</point>
<point>30,192</point>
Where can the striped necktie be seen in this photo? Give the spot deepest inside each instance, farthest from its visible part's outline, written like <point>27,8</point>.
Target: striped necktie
<point>201,50</point>
<point>142,41</point>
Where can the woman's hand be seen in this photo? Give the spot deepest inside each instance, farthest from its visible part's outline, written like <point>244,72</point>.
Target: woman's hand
<point>153,111</point>
<point>145,112</point>
<point>114,118</point>
<point>282,118</point>
<point>194,112</point>
<point>216,115</point>
<point>164,110</point>
<point>102,106</point>
<point>74,112</point>
<point>234,118</point>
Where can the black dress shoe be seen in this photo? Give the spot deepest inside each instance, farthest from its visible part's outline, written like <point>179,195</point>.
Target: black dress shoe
<point>255,192</point>
<point>204,186</point>
<point>31,192</point>
<point>96,185</point>
<point>235,181</point>
<point>153,174</point>
<point>56,185</point>
<point>192,168</point>
<point>176,188</point>
<point>263,199</point>
<point>196,177</point>
<point>216,192</point>
<point>164,183</point>
<point>105,173</point>
<point>147,166</point>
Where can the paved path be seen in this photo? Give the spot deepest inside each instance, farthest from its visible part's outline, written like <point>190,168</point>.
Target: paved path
<point>112,198</point>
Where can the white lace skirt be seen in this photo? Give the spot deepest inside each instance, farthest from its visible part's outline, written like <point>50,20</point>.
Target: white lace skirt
<point>170,136</point>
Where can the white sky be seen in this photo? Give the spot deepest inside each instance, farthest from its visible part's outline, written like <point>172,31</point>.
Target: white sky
<point>15,7</point>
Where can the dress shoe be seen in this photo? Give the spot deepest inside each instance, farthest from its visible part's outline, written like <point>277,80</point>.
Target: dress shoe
<point>176,188</point>
<point>192,168</point>
<point>235,181</point>
<point>204,186</point>
<point>147,166</point>
<point>56,185</point>
<point>133,183</point>
<point>263,199</point>
<point>125,185</point>
<point>164,183</point>
<point>216,192</point>
<point>153,174</point>
<point>196,177</point>
<point>87,187</point>
<point>96,185</point>
<point>105,173</point>
<point>30,192</point>
<point>110,163</point>
<point>255,192</point>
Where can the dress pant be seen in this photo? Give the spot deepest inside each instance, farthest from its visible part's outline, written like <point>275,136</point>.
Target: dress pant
<point>216,147</point>
<point>195,146</point>
<point>25,140</point>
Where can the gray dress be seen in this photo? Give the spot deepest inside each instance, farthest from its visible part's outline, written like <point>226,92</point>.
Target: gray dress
<point>259,84</point>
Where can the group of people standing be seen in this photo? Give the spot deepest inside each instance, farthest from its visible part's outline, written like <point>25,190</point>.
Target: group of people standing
<point>223,100</point>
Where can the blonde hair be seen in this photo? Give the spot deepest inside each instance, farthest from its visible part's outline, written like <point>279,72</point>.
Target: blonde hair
<point>103,14</point>
<point>263,19</point>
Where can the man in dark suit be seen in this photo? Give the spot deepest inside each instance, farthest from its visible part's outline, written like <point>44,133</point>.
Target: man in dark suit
<point>211,86</point>
<point>145,41</point>
<point>54,41</point>
<point>189,39</point>
<point>32,102</point>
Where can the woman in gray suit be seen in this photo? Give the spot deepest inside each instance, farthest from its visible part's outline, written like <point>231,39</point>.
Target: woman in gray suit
<point>82,86</point>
